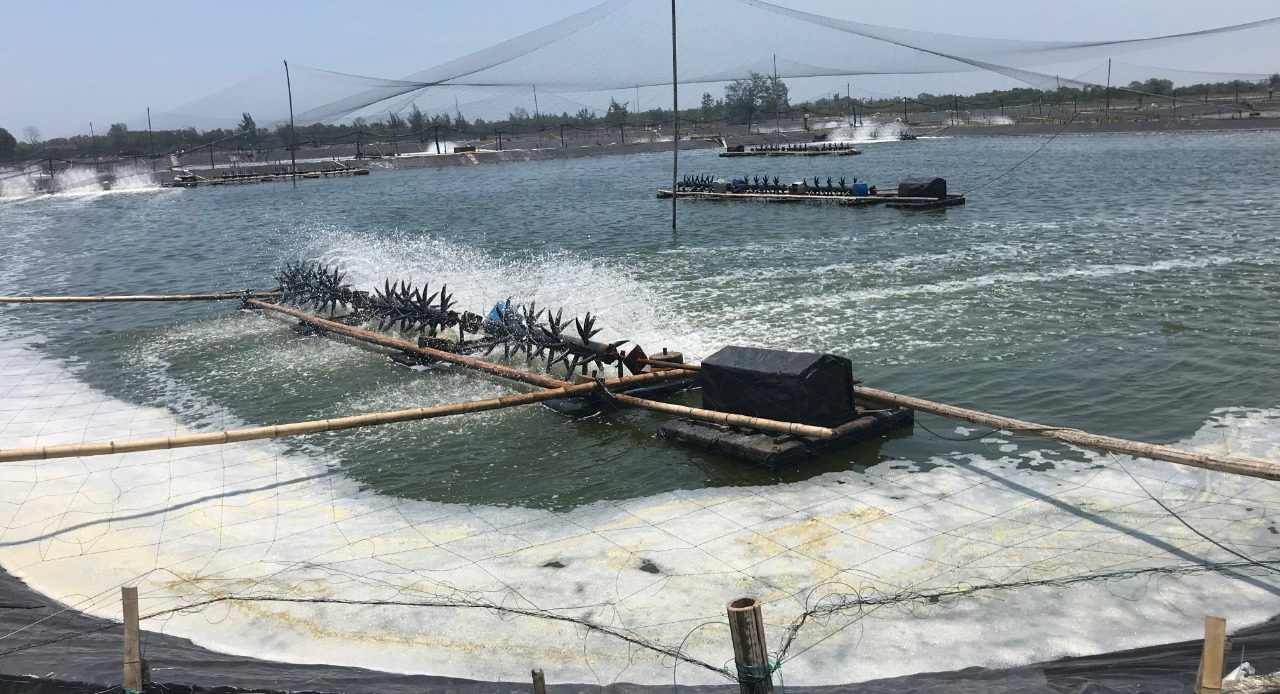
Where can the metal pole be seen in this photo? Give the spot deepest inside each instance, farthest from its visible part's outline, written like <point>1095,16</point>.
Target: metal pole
<point>777,112</point>
<point>1107,112</point>
<point>675,116</point>
<point>212,166</point>
<point>293,134</point>
<point>435,130</point>
<point>562,136</point>
<point>151,143</point>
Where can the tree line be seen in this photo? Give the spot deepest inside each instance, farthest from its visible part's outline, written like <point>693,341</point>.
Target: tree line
<point>749,101</point>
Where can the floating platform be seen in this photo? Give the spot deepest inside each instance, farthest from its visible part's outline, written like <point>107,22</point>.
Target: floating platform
<point>194,181</point>
<point>798,152</point>
<point>774,450</point>
<point>833,197</point>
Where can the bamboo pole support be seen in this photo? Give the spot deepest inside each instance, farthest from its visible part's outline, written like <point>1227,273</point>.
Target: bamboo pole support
<point>406,346</point>
<point>750,655</point>
<point>1233,464</point>
<point>726,418</point>
<point>543,380</point>
<point>539,682</point>
<point>133,681</point>
<point>320,425</point>
<point>1212,655</point>
<point>1228,463</point>
<point>222,296</point>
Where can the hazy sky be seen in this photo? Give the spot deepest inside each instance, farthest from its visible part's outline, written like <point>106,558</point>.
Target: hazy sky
<point>65,63</point>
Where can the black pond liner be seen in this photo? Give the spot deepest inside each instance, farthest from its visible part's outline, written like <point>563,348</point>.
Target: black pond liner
<point>91,664</point>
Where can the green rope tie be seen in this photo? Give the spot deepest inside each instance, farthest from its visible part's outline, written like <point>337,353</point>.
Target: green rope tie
<point>758,673</point>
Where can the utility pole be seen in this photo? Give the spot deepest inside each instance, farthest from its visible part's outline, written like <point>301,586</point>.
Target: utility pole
<point>151,143</point>
<point>1107,112</point>
<point>777,111</point>
<point>293,133</point>
<point>675,114</point>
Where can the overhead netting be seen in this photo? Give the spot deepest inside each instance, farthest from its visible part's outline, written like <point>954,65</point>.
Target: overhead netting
<point>621,49</point>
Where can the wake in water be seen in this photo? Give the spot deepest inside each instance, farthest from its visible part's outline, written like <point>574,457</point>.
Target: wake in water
<point>33,182</point>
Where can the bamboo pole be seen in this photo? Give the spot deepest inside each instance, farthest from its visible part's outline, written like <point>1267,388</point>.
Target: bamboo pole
<point>317,426</point>
<point>546,381</point>
<point>1234,464</point>
<point>717,417</point>
<point>404,345</point>
<point>223,296</point>
<point>1229,463</point>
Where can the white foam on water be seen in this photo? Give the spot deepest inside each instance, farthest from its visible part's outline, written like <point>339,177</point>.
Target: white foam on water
<point>625,306</point>
<point>248,520</point>
<point>869,132</point>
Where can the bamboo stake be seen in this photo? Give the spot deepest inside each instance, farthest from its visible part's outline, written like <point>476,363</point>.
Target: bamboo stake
<point>317,426</point>
<point>226,296</point>
<point>547,381</point>
<point>1229,463</point>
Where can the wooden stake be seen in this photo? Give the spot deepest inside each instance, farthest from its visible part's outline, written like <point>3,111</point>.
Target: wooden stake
<point>539,682</point>
<point>133,681</point>
<point>750,656</point>
<point>1212,655</point>
<point>224,296</point>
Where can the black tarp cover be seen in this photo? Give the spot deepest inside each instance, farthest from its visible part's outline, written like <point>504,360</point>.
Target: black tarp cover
<point>800,387</point>
<point>933,187</point>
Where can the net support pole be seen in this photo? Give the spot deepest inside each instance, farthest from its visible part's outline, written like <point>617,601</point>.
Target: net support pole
<point>750,655</point>
<point>1107,109</point>
<point>133,680</point>
<point>675,117</point>
<point>293,134</point>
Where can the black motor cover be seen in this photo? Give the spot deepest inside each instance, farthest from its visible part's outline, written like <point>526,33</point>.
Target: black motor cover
<point>923,188</point>
<point>799,387</point>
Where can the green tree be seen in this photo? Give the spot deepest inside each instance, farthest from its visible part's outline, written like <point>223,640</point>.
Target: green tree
<point>8,145</point>
<point>617,113</point>
<point>250,129</point>
<point>417,122</point>
<point>708,106</point>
